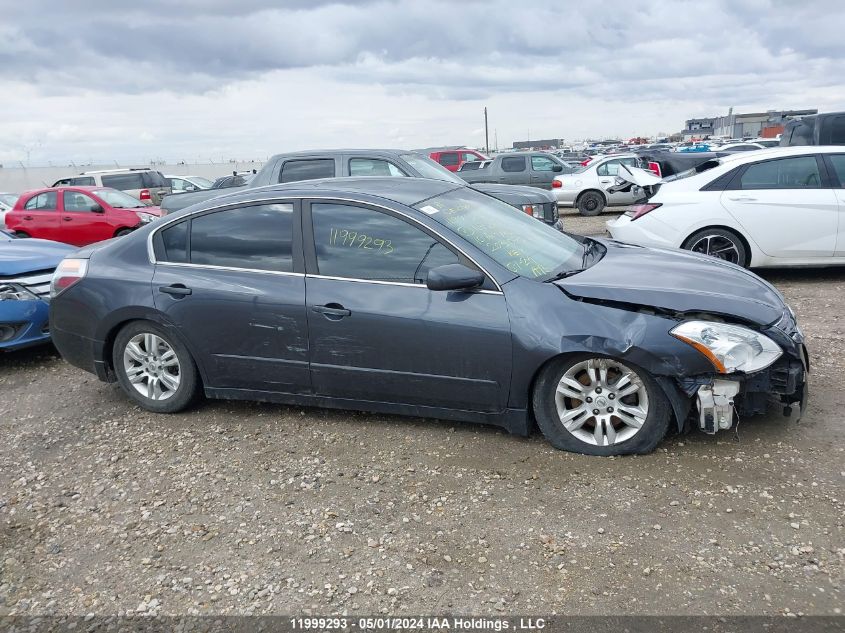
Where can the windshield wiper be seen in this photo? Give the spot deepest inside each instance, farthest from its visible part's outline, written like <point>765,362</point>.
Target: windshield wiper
<point>564,274</point>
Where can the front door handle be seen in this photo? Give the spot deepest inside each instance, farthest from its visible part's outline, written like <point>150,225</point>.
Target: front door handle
<point>332,311</point>
<point>742,199</point>
<point>27,217</point>
<point>176,290</point>
<point>67,218</point>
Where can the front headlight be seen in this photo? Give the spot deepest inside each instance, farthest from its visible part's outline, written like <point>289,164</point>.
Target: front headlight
<point>145,217</point>
<point>729,347</point>
<point>14,292</point>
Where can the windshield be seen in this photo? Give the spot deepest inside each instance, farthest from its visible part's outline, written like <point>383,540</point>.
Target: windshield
<point>427,168</point>
<point>118,199</point>
<point>517,241</point>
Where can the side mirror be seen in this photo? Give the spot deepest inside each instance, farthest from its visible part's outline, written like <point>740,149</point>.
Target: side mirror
<point>557,168</point>
<point>190,188</point>
<point>453,277</point>
<point>97,209</point>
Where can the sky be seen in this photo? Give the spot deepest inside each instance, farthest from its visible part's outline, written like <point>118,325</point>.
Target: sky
<point>198,80</point>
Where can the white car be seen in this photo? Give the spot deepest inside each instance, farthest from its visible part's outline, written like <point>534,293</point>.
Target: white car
<point>181,184</point>
<point>771,207</point>
<point>586,187</point>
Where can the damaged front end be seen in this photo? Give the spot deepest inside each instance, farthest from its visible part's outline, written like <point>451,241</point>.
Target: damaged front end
<point>721,400</point>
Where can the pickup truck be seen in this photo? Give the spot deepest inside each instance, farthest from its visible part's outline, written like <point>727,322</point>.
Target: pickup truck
<point>827,128</point>
<point>311,165</point>
<point>536,169</point>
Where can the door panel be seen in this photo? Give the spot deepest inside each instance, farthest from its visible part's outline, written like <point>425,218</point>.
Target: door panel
<point>782,207</point>
<point>80,225</point>
<point>541,174</point>
<point>513,170</point>
<point>836,169</point>
<point>409,345</point>
<point>40,217</point>
<point>248,328</point>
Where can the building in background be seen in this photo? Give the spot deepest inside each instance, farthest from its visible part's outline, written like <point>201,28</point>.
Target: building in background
<point>753,124</point>
<point>697,129</point>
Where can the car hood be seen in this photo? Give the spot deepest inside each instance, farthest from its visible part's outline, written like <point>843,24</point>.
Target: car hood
<point>529,194</point>
<point>21,256</point>
<point>676,280</point>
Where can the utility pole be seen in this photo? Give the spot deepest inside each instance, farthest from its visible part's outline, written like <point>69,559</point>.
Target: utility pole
<point>486,134</point>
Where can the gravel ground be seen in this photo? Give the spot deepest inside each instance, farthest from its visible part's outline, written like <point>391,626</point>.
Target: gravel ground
<point>249,508</point>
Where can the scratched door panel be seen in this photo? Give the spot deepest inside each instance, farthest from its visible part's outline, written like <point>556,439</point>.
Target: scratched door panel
<point>248,329</point>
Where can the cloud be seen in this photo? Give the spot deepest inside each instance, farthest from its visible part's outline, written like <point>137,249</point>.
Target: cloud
<point>331,61</point>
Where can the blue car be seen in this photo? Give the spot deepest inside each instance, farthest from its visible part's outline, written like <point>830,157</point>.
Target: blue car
<point>26,266</point>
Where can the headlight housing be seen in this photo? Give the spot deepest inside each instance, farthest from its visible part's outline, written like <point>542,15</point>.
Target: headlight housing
<point>145,217</point>
<point>15,292</point>
<point>729,347</point>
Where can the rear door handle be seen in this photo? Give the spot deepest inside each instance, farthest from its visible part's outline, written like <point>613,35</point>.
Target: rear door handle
<point>332,311</point>
<point>742,199</point>
<point>27,217</point>
<point>67,218</point>
<point>176,290</point>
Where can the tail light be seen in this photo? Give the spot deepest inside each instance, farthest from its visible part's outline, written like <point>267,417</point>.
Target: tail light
<point>639,210</point>
<point>68,272</point>
<point>145,195</point>
<point>557,184</point>
<point>654,168</point>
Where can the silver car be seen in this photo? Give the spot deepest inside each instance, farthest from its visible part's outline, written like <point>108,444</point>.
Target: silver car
<point>586,188</point>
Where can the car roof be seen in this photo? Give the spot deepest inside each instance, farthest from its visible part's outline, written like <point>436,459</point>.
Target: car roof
<point>404,191</point>
<point>122,170</point>
<point>324,153</point>
<point>779,152</point>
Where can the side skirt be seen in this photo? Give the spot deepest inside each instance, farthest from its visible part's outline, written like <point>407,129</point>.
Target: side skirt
<point>515,421</point>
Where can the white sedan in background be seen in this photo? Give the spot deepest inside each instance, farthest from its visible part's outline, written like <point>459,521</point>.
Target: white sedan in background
<point>783,206</point>
<point>586,187</point>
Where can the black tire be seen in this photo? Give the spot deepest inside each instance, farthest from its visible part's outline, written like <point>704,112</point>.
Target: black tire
<point>122,232</point>
<point>737,253</point>
<point>644,440</point>
<point>591,203</point>
<point>22,234</point>
<point>189,381</point>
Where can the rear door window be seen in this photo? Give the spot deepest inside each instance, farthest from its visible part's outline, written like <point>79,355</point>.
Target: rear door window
<point>42,202</point>
<point>837,161</point>
<point>256,237</point>
<point>373,167</point>
<point>799,172</point>
<point>124,182</point>
<point>154,179</point>
<point>83,181</point>
<point>448,158</point>
<point>513,164</point>
<point>311,169</point>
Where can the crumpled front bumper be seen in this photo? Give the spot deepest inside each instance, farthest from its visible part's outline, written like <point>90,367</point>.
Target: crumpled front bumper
<point>28,319</point>
<point>720,399</point>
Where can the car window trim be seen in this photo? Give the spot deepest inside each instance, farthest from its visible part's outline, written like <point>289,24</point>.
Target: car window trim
<point>296,236</point>
<point>833,176</point>
<point>298,206</point>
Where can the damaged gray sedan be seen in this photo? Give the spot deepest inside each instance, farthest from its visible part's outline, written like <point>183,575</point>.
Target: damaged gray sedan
<point>426,298</point>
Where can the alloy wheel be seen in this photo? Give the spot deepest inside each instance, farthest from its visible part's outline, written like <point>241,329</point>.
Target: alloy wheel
<point>152,366</point>
<point>601,401</point>
<point>717,246</point>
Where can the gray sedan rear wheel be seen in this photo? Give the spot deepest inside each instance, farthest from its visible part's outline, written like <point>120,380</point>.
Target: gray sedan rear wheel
<point>600,406</point>
<point>154,368</point>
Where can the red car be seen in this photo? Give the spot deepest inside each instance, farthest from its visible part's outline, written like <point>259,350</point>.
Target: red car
<point>78,215</point>
<point>452,159</point>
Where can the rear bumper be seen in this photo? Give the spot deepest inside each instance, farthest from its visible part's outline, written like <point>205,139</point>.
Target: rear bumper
<point>82,352</point>
<point>645,231</point>
<point>24,323</point>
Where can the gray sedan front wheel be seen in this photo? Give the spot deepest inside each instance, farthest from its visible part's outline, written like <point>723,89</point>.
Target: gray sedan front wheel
<point>598,405</point>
